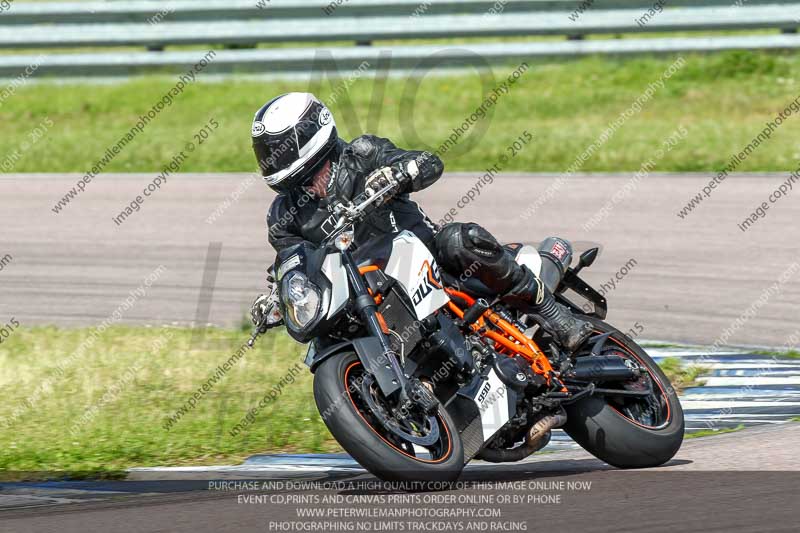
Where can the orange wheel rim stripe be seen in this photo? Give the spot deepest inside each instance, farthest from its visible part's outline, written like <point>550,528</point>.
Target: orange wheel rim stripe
<point>654,377</point>
<point>446,430</point>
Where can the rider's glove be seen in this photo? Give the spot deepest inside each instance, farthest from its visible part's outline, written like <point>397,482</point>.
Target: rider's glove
<point>265,309</point>
<point>394,176</point>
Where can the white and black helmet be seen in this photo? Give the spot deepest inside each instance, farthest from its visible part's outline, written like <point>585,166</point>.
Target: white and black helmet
<point>293,136</point>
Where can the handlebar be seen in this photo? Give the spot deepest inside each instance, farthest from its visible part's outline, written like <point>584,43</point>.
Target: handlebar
<point>349,213</point>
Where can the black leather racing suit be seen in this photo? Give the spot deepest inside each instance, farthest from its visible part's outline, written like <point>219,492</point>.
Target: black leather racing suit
<point>298,216</point>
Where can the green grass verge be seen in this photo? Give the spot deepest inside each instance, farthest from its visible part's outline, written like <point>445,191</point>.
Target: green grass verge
<point>712,432</point>
<point>723,100</point>
<point>790,354</point>
<point>106,411</point>
<point>681,376</point>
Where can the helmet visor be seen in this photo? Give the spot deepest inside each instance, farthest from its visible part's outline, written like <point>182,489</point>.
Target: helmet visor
<point>276,153</point>
<point>300,169</point>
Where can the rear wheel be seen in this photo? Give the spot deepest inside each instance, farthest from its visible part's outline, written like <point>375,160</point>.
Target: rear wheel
<point>416,448</point>
<point>629,432</point>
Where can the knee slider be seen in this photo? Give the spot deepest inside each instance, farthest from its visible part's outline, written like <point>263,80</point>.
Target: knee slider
<point>449,246</point>
<point>481,242</point>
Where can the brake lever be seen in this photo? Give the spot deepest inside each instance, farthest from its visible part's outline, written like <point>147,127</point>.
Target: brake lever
<point>349,213</point>
<point>257,332</point>
<point>372,199</point>
<point>262,328</point>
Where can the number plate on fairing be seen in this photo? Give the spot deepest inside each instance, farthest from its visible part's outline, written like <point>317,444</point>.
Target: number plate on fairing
<point>414,267</point>
<point>492,402</point>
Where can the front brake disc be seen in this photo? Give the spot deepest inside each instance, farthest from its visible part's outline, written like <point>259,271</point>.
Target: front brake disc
<point>425,431</point>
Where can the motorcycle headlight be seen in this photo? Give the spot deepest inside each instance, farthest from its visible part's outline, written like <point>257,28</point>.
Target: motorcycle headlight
<point>301,299</point>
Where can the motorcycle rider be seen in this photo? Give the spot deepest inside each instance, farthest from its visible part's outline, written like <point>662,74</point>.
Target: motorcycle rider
<point>302,158</point>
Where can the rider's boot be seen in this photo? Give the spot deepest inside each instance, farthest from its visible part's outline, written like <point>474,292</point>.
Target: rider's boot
<point>462,247</point>
<point>530,296</point>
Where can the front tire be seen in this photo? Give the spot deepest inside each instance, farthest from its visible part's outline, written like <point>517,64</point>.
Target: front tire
<point>629,436</point>
<point>337,395</point>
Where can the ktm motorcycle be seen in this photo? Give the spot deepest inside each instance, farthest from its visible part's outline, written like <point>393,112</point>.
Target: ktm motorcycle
<point>417,372</point>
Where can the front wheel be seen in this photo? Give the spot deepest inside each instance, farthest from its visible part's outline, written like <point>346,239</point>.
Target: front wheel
<point>629,432</point>
<point>423,449</point>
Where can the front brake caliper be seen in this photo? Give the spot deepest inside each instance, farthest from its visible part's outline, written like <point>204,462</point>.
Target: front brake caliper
<point>421,397</point>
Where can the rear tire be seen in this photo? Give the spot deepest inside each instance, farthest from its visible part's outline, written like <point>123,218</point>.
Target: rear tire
<point>608,434</point>
<point>348,423</point>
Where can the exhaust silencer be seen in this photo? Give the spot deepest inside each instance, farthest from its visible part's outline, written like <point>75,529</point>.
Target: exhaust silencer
<point>537,438</point>
<point>603,368</point>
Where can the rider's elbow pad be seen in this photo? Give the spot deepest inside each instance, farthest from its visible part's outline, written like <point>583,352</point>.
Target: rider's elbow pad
<point>429,168</point>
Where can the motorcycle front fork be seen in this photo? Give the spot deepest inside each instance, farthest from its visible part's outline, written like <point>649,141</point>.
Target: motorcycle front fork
<point>384,365</point>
